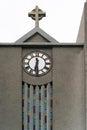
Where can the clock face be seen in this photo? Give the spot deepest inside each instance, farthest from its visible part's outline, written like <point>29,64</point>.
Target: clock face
<point>37,63</point>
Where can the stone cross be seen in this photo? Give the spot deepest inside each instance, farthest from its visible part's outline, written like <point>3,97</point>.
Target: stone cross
<point>37,14</point>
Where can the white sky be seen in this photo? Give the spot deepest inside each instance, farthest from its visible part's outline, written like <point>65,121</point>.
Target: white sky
<point>61,22</point>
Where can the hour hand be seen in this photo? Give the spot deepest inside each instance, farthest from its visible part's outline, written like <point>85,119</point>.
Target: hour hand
<point>36,66</point>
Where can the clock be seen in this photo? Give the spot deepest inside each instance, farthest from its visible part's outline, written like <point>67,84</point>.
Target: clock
<point>37,63</point>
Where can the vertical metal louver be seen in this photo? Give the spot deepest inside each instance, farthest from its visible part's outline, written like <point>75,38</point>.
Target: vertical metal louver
<point>37,108</point>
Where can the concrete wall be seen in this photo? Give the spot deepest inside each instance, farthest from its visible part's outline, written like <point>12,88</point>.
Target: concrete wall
<point>85,18</point>
<point>10,89</point>
<point>68,84</point>
<point>85,50</point>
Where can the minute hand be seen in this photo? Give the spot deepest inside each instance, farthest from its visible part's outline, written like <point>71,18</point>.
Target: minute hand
<point>36,66</point>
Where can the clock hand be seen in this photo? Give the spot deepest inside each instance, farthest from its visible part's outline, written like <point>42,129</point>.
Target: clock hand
<point>36,66</point>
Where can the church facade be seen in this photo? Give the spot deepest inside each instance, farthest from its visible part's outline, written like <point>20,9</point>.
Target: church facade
<point>43,83</point>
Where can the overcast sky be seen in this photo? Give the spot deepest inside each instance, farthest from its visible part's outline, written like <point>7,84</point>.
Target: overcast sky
<point>61,22</point>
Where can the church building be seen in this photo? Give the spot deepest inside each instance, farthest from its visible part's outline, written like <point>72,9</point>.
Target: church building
<point>43,83</point>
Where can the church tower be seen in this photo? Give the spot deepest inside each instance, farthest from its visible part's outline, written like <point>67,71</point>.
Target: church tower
<point>43,82</point>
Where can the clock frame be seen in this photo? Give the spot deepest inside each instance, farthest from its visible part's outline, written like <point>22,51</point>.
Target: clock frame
<point>37,63</point>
